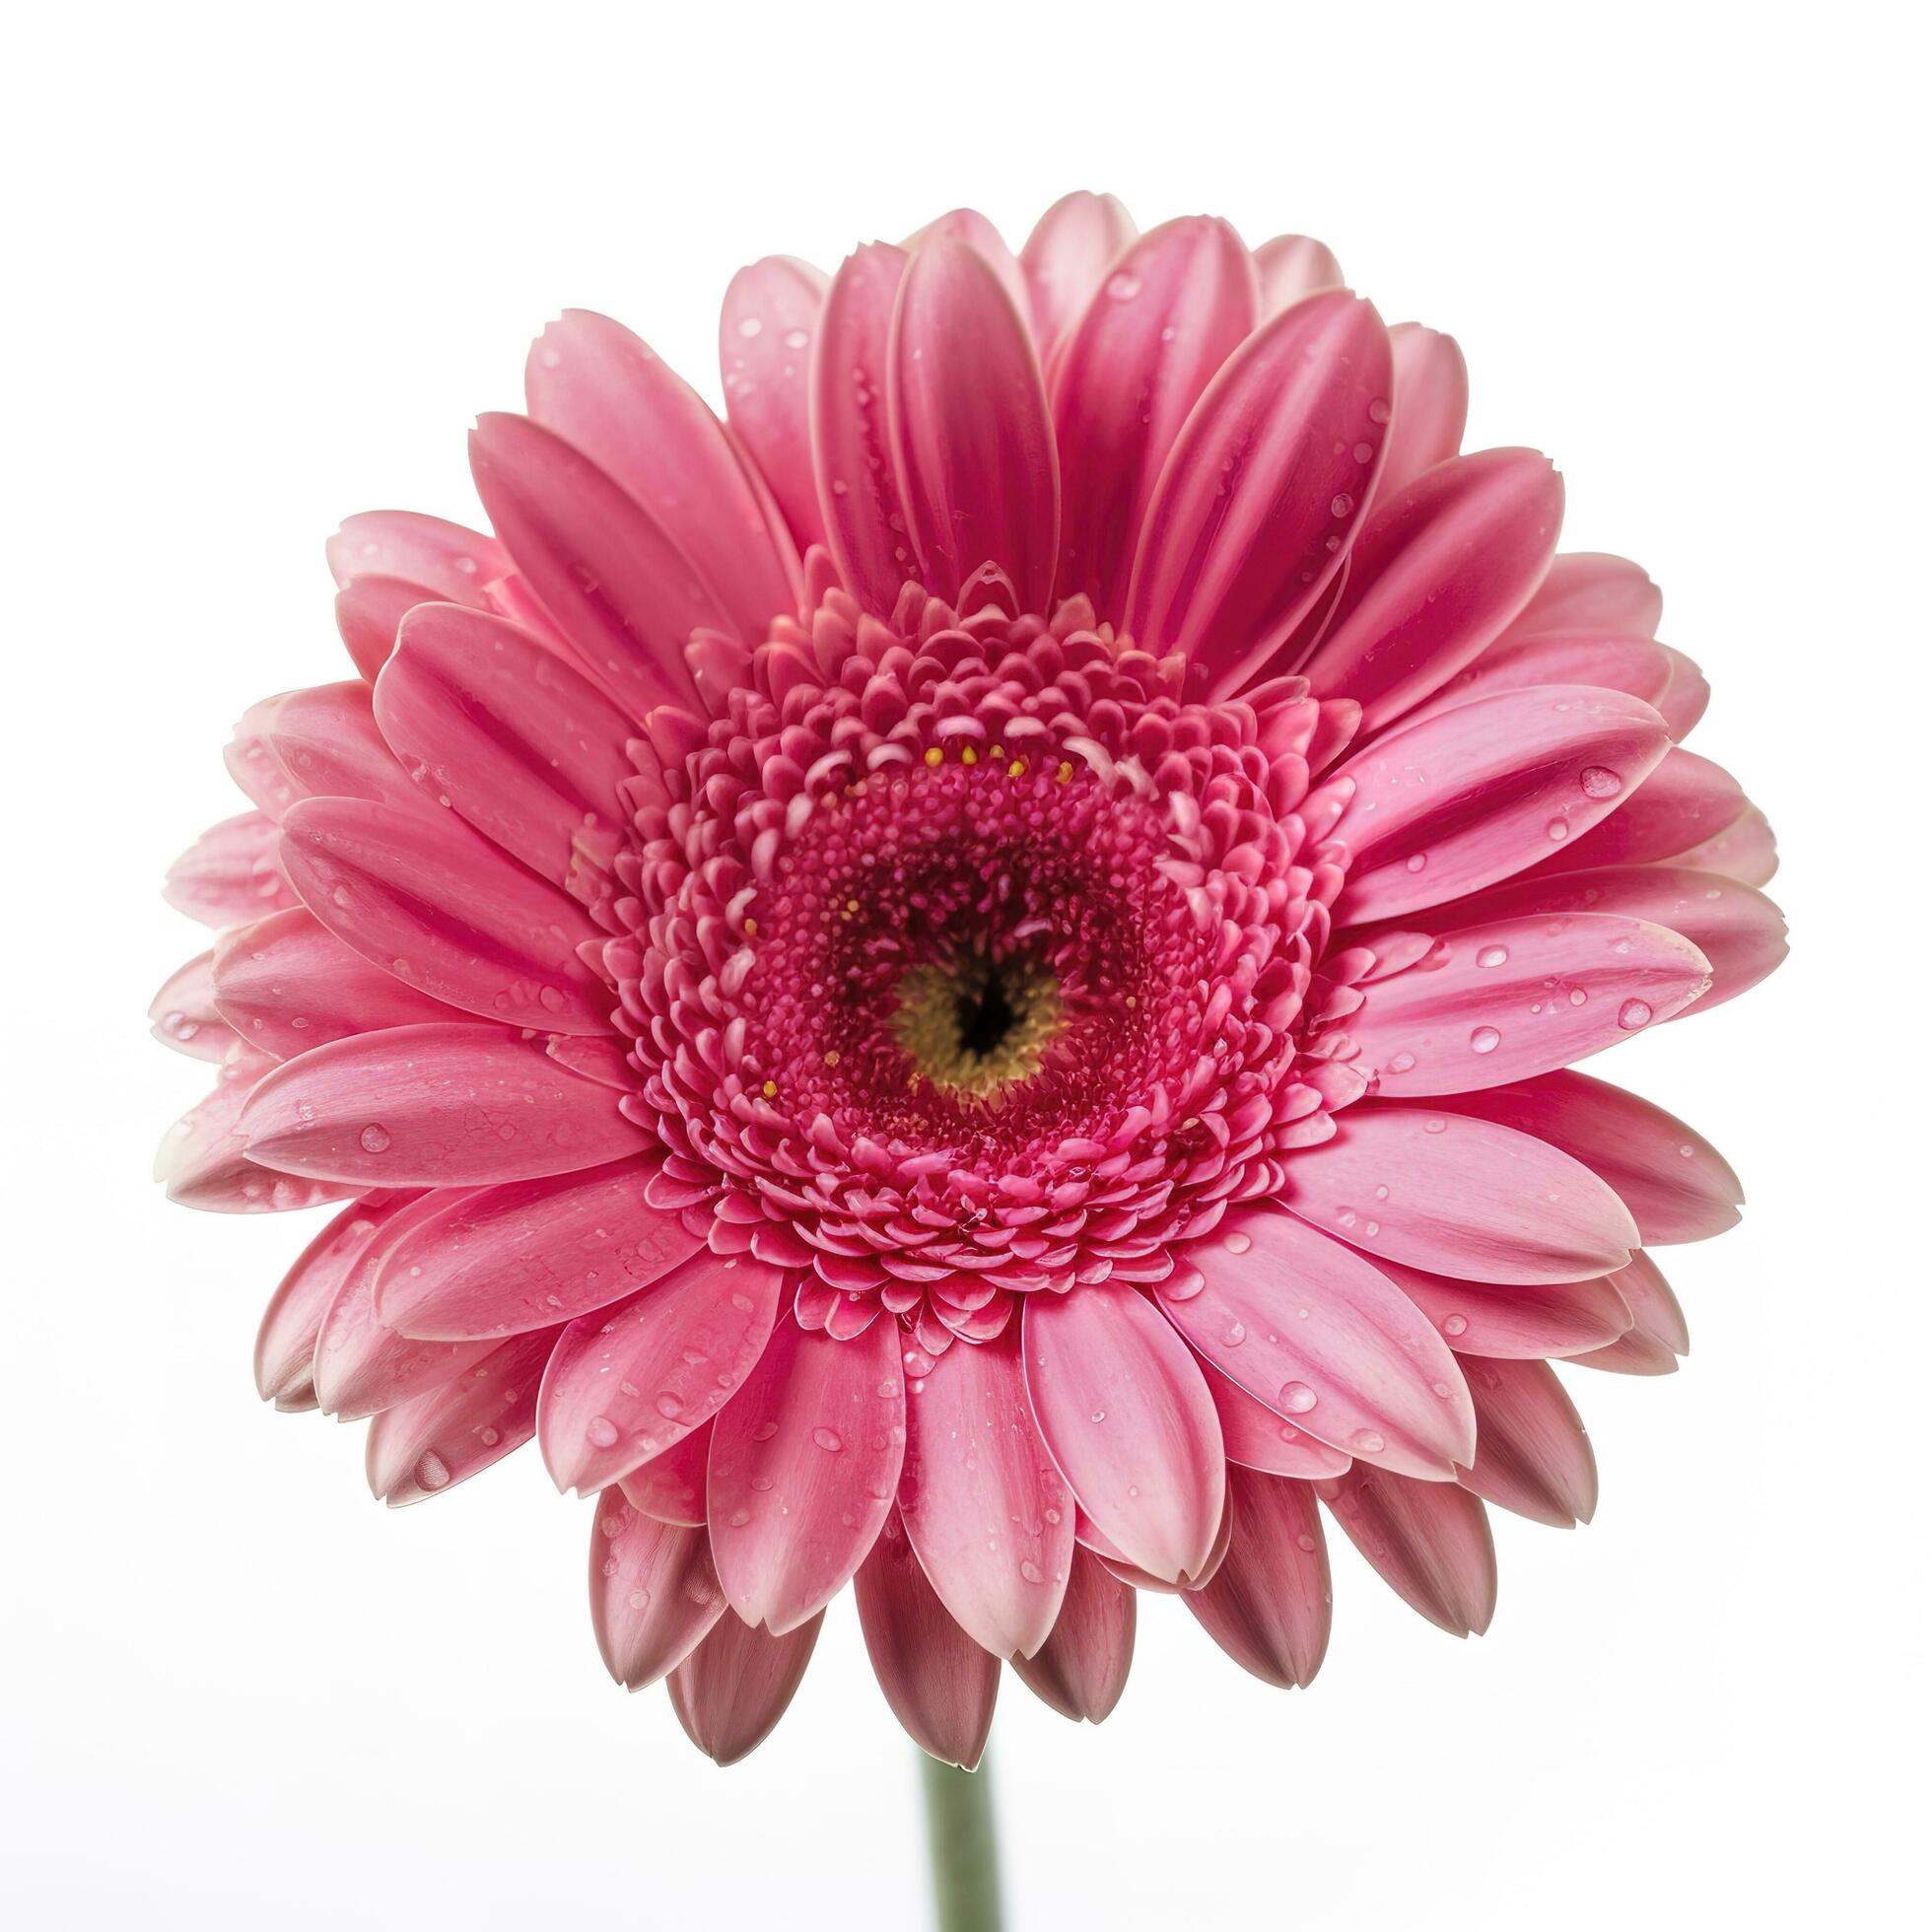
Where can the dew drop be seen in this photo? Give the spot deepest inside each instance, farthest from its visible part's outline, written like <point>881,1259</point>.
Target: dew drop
<point>601,1432</point>
<point>1455,1325</point>
<point>1238,1243</point>
<point>1557,830</point>
<point>1122,287</point>
<point>431,1470</point>
<point>1371,1442</point>
<point>1633,1013</point>
<point>373,1139</point>
<point>1599,781</point>
<point>1415,862</point>
<point>1400,1063</point>
<point>1297,1398</point>
<point>1493,955</point>
<point>1486,1039</point>
<point>830,1440</point>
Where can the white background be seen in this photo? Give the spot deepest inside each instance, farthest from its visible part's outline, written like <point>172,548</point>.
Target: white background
<point>266,264</point>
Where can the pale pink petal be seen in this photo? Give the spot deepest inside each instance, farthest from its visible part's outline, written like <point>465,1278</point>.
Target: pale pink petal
<point>626,1384</point>
<point>1459,1196</point>
<point>203,1162</point>
<point>446,559</point>
<point>1431,404</point>
<point>605,392</point>
<point>1587,590</point>
<point>1480,793</point>
<point>1128,1418</point>
<point>1136,1579</point>
<point>433,1106</point>
<point>1263,490</point>
<point>804,1464</point>
<point>1657,1334</point>
<point>1258,1437</point>
<point>504,1260</point>
<point>446,913</point>
<point>1291,267</point>
<point>671,1486</point>
<point>1683,802</point>
<point>489,722</point>
<point>731,1691</point>
<point>972,230</point>
<point>1664,679</point>
<point>1435,573</point>
<point>1744,850</point>
<point>231,873</point>
<point>765,336</point>
<point>1177,305</point>
<point>368,613</point>
<point>654,1594</point>
<point>1677,1186</point>
<point>980,1499</point>
<point>1524,1320</point>
<point>184,1015</point>
<point>423,1447</point>
<point>1429,1541</point>
<point>1065,258</point>
<point>326,744</point>
<point>1268,1605</point>
<point>1308,1327</point>
<point>1081,1668</point>
<point>1512,997</point>
<point>1531,1454</point>
<point>971,438</point>
<point>939,1682</point>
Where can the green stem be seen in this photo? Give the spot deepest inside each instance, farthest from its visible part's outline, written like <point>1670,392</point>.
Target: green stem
<point>959,1836</point>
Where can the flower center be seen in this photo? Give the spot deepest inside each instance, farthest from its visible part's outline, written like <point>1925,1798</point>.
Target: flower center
<point>974,1025</point>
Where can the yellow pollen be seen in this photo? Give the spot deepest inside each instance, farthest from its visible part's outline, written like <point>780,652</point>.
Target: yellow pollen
<point>770,1089</point>
<point>968,756</point>
<point>997,753</point>
<point>1017,768</point>
<point>751,928</point>
<point>832,1058</point>
<point>1064,773</point>
<point>934,756</point>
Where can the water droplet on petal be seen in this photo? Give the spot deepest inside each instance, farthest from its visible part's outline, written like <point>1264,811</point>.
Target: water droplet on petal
<point>1486,1039</point>
<point>1297,1398</point>
<point>1633,1013</point>
<point>373,1139</point>
<point>1599,781</point>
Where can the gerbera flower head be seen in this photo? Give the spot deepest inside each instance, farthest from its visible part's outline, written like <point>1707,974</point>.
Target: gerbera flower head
<point>966,981</point>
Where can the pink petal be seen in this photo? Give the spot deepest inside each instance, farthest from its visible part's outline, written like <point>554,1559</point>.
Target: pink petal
<point>605,571</point>
<point>939,1682</point>
<point>1464,1197</point>
<point>654,1594</point>
<point>1257,1437</point>
<point>1128,1421</point>
<point>326,744</point>
<point>1177,305</point>
<point>425,1446</point>
<point>765,336</point>
<point>731,1691</point>
<point>507,733</point>
<point>852,445</point>
<point>1478,793</point>
<point>231,873</point>
<point>185,1016</point>
<point>1264,491</point>
<point>972,230</point>
<point>368,613</point>
<point>1293,266</point>
<point>804,1464</point>
<point>446,913</point>
<point>1677,1186</point>
<point>1664,679</point>
<point>1657,1334</point>
<point>1586,590</point>
<point>433,1106</point>
<point>1268,1605</point>
<point>1684,800</point>
<point>1744,851</point>
<point>1081,1668</point>
<point>1428,1541</point>
<point>203,1162</point>
<point>1512,997</point>
<point>286,984</point>
<point>1136,1579</point>
<point>671,1486</point>
<point>1531,1454</point>
<point>1312,1330</point>
<point>1524,1320</point>
<point>626,1384</point>
<point>605,393</point>
<point>446,559</point>
<point>1436,573</point>
<point>1431,405</point>
<point>974,447</point>
<point>1065,258</point>
<point>531,1255</point>
<point>981,1501</point>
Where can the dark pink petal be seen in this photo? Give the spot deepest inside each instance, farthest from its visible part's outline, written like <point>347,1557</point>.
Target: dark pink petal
<point>425,1446</point>
<point>1480,793</point>
<point>531,1255</point>
<point>972,230</point>
<point>1664,679</point>
<point>971,438</point>
<point>203,1162</point>
<point>1308,1327</point>
<point>1524,1320</point>
<point>605,571</point>
<point>671,1486</point>
<point>1459,1196</point>
<point>433,1106</point>
<point>1438,571</point>
<point>1586,590</point>
<point>285,984</point>
<point>939,1682</point>
<point>1066,257</point>
<point>326,744</point>
<point>1431,404</point>
<point>851,445</point>
<point>185,1014</point>
<point>445,913</point>
<point>1683,802</point>
<point>731,1691</point>
<point>804,1464</point>
<point>980,1499</point>
<point>605,392</point>
<point>1127,1416</point>
<point>231,873</point>
<point>627,1384</point>
<point>446,559</point>
<point>1268,1605</point>
<point>1657,1334</point>
<point>1531,1454</point>
<point>491,724</point>
<point>1258,1437</point>
<point>1512,997</point>
<point>654,1594</point>
<point>1292,266</point>
<point>1677,1186</point>
<point>1081,1668</point>
<point>1429,1541</point>
<point>368,613</point>
<point>1176,305</point>
<point>1264,491</point>
<point>765,336</point>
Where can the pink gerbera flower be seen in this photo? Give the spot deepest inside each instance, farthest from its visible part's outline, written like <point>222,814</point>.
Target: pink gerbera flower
<point>966,985</point>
